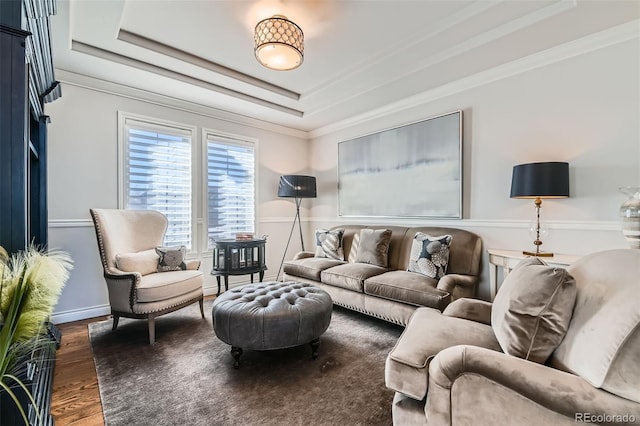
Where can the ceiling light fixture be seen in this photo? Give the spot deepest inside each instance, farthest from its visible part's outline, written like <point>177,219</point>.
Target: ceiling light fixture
<point>279,43</point>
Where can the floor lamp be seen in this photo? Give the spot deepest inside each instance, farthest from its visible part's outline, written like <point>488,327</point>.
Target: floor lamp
<point>298,187</point>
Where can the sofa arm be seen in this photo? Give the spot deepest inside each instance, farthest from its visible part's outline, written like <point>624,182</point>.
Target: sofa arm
<point>511,387</point>
<point>470,309</point>
<point>458,285</point>
<point>303,255</point>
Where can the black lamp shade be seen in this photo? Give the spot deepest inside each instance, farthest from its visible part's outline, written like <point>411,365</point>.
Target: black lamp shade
<point>540,180</point>
<point>297,186</point>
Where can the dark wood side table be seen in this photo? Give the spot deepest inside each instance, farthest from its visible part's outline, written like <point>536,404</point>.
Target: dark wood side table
<point>238,257</point>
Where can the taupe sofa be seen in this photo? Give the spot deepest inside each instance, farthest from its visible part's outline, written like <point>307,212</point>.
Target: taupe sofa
<point>449,369</point>
<point>392,293</point>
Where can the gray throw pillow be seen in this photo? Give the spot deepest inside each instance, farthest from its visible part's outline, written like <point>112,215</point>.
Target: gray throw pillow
<point>171,258</point>
<point>532,310</point>
<point>329,243</point>
<point>373,247</point>
<point>429,255</point>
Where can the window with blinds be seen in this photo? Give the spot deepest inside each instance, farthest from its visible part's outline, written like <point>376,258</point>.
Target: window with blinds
<point>157,175</point>
<point>230,168</point>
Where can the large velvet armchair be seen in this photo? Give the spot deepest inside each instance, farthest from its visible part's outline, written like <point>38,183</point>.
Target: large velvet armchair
<point>127,240</point>
<point>450,368</point>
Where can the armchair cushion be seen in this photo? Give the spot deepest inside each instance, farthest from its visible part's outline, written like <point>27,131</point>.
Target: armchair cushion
<point>167,285</point>
<point>144,262</point>
<point>532,310</point>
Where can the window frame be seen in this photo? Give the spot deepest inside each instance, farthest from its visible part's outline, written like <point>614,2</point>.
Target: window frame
<point>232,139</point>
<point>152,123</point>
<point>199,171</point>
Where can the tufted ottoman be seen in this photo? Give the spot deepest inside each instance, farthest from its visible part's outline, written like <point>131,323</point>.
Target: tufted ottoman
<point>271,315</point>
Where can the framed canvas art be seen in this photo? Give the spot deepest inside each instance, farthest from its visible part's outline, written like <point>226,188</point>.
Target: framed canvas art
<point>413,170</point>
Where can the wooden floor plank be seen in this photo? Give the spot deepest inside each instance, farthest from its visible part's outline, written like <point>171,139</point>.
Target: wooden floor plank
<point>76,397</point>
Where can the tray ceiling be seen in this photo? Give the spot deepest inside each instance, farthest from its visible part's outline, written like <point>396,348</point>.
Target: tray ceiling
<point>359,55</point>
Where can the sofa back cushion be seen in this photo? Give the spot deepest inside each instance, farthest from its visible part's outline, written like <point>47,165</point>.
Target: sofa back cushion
<point>603,339</point>
<point>465,252</point>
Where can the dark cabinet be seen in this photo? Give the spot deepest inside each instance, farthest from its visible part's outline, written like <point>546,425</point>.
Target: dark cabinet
<point>238,257</point>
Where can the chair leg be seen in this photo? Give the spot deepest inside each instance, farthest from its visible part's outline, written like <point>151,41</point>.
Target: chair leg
<point>201,302</point>
<point>116,318</point>
<point>152,329</point>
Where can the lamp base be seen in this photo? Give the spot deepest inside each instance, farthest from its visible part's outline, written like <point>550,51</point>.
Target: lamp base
<point>540,254</point>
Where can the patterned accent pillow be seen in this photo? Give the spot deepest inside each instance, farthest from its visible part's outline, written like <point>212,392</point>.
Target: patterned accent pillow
<point>329,243</point>
<point>430,255</point>
<point>171,258</point>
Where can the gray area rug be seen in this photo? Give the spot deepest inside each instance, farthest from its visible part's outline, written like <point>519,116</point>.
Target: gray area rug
<point>187,377</point>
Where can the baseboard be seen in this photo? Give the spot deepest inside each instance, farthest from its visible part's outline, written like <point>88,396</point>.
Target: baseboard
<point>80,314</point>
<point>102,310</point>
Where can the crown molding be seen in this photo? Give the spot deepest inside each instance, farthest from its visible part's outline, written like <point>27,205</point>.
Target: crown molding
<point>111,88</point>
<point>184,56</point>
<point>584,45</point>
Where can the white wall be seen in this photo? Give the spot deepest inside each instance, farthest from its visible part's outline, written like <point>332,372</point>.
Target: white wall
<point>580,106</point>
<point>83,138</point>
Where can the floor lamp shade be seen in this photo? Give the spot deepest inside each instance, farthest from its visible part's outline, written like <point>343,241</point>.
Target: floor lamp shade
<point>540,180</point>
<point>297,186</point>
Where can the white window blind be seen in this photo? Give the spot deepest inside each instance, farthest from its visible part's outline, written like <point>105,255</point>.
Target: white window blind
<point>157,175</point>
<point>230,187</point>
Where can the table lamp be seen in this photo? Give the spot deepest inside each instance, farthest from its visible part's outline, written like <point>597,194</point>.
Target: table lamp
<point>537,181</point>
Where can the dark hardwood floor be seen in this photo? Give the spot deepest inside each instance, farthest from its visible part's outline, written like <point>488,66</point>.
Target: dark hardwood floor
<point>76,399</point>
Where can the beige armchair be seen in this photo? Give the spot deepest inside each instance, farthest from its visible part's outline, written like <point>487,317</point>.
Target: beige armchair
<point>449,368</point>
<point>127,240</point>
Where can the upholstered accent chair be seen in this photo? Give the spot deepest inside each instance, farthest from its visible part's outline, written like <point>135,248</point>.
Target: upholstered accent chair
<point>452,368</point>
<point>127,242</point>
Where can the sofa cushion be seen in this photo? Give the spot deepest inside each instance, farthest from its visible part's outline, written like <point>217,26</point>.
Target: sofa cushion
<point>532,309</point>
<point>427,333</point>
<point>144,262</point>
<point>171,258</point>
<point>329,243</point>
<point>429,255</point>
<point>167,285</point>
<point>309,267</point>
<point>350,275</point>
<point>373,247</point>
<point>407,287</point>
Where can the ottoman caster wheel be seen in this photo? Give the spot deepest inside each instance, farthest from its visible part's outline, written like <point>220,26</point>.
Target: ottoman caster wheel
<point>236,352</point>
<point>315,344</point>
